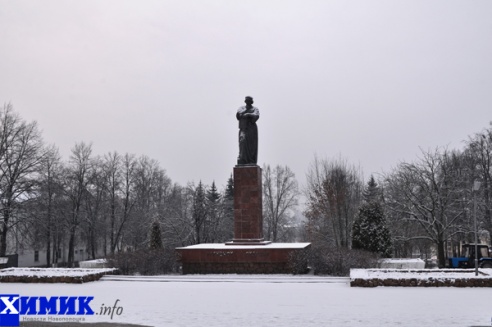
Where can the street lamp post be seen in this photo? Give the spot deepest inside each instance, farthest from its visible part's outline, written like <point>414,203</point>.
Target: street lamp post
<point>476,187</point>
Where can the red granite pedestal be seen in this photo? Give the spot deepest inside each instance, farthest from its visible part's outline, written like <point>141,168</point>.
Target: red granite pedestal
<point>273,258</point>
<point>248,252</point>
<point>248,206</point>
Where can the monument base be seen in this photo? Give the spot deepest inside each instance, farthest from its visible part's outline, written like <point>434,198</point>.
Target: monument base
<point>273,258</point>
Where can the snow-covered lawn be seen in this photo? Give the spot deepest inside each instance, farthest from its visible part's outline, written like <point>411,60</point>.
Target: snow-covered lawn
<point>271,301</point>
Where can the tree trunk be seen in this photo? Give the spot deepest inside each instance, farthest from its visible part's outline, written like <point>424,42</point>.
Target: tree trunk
<point>48,249</point>
<point>3,241</point>
<point>112,232</point>
<point>71,247</point>
<point>48,234</point>
<point>441,257</point>
<point>93,244</point>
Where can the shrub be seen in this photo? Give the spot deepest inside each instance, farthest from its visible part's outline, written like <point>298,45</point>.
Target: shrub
<point>326,260</point>
<point>299,261</point>
<point>145,261</point>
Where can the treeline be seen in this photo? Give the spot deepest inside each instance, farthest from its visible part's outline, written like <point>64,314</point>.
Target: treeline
<point>426,206</point>
<point>115,202</point>
<point>104,204</point>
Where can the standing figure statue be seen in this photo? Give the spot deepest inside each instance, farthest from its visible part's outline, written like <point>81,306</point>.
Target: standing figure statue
<point>248,133</point>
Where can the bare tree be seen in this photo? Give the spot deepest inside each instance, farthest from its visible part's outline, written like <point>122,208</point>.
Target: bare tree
<point>112,175</point>
<point>95,200</point>
<point>21,153</point>
<point>334,190</point>
<point>177,226</point>
<point>150,185</point>
<point>127,201</point>
<point>48,202</point>
<point>280,194</point>
<point>479,148</point>
<point>429,193</point>
<point>76,180</point>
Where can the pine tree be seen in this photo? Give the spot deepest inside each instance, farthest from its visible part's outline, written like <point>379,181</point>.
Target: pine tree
<point>227,226</point>
<point>213,196</point>
<point>199,213</point>
<point>369,231</point>
<point>229,192</point>
<point>155,236</point>
<point>372,192</point>
<point>213,213</point>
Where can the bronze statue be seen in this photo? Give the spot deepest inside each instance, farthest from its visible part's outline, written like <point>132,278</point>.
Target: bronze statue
<point>248,133</point>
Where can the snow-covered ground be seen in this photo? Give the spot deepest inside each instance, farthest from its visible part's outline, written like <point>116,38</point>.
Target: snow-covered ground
<point>419,273</point>
<point>53,272</point>
<point>271,301</point>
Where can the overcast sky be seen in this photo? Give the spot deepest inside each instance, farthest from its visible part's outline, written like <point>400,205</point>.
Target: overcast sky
<point>368,81</point>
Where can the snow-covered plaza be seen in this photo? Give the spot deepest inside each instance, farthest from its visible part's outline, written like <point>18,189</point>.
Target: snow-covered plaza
<point>231,300</point>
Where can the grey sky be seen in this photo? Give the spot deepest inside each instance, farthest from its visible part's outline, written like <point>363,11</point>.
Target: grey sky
<point>370,81</point>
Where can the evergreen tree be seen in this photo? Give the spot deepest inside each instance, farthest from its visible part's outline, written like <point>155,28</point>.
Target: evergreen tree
<point>227,225</point>
<point>155,236</point>
<point>229,192</point>
<point>369,231</point>
<point>372,192</point>
<point>199,213</point>
<point>213,213</point>
<point>213,196</point>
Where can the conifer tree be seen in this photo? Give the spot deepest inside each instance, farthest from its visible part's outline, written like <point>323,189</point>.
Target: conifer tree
<point>213,196</point>
<point>229,191</point>
<point>372,192</point>
<point>155,236</point>
<point>199,213</point>
<point>369,231</point>
<point>213,213</point>
<point>227,225</point>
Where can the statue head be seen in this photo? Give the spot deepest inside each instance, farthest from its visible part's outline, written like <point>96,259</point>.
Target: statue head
<point>249,100</point>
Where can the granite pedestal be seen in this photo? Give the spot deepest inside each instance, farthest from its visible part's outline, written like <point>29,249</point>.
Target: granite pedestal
<point>273,258</point>
<point>248,252</point>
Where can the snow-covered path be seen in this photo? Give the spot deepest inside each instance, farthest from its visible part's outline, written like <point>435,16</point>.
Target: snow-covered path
<point>256,301</point>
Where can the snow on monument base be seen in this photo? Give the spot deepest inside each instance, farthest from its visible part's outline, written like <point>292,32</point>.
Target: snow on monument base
<point>274,258</point>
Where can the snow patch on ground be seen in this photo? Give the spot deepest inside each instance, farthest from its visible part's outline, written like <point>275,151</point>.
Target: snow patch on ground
<point>53,272</point>
<point>418,273</point>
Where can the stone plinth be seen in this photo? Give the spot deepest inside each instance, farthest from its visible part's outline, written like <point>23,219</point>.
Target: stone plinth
<point>274,258</point>
<point>248,252</point>
<point>248,205</point>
